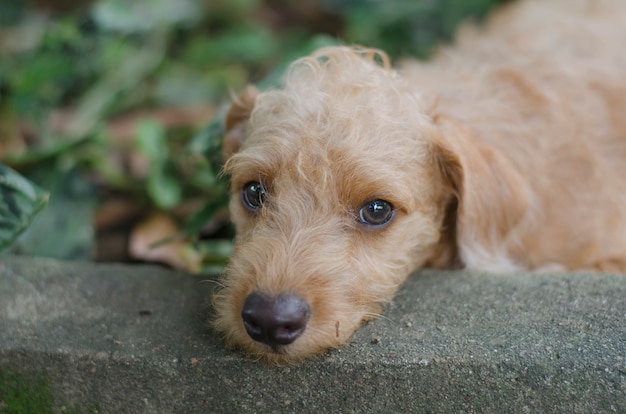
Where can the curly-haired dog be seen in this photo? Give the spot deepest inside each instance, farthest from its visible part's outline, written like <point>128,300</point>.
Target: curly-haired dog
<point>506,153</point>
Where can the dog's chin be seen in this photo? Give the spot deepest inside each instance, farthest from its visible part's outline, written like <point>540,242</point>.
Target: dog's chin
<point>280,355</point>
<point>311,345</point>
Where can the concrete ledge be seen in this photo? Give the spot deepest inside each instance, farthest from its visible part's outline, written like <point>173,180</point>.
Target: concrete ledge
<point>79,337</point>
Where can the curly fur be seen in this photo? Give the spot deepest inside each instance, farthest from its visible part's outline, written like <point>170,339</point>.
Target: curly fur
<point>507,152</point>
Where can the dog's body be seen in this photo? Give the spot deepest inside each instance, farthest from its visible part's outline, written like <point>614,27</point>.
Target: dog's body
<point>508,153</point>
<point>544,89</point>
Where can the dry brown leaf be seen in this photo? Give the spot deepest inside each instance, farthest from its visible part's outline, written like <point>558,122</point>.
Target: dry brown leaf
<point>176,252</point>
<point>115,212</point>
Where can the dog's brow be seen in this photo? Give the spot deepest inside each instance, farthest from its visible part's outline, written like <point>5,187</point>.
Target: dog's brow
<point>363,184</point>
<point>246,166</point>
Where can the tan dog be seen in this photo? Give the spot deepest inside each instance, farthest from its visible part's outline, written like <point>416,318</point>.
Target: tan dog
<point>507,153</point>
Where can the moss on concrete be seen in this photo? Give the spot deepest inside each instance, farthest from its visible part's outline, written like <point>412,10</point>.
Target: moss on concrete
<point>25,392</point>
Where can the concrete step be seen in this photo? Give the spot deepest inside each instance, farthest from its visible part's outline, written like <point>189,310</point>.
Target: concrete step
<point>82,337</point>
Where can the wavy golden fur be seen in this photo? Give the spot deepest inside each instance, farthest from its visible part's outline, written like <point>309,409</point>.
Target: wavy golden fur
<point>504,153</point>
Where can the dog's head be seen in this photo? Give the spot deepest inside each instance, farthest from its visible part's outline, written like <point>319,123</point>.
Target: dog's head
<point>341,187</point>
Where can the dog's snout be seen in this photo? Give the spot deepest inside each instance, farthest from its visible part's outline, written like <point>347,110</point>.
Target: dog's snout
<point>275,321</point>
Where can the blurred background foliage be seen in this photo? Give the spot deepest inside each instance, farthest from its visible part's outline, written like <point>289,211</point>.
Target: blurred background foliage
<point>114,107</point>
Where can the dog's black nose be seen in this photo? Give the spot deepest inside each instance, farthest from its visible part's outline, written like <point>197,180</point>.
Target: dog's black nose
<point>276,320</point>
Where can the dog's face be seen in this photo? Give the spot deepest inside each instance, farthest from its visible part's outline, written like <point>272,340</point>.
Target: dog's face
<point>338,194</point>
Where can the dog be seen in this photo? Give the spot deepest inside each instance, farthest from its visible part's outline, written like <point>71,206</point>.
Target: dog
<point>504,153</point>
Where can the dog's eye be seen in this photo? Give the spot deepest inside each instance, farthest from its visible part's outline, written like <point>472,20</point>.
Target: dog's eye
<point>376,213</point>
<point>253,195</point>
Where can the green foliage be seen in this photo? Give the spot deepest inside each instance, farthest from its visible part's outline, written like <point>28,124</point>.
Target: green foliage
<point>245,44</point>
<point>40,81</point>
<point>90,63</point>
<point>163,188</point>
<point>406,27</point>
<point>139,16</point>
<point>63,229</point>
<point>20,201</point>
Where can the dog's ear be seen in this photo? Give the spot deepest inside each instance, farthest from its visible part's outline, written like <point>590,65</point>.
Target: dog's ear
<point>450,171</point>
<point>236,120</point>
<point>491,195</point>
<point>450,168</point>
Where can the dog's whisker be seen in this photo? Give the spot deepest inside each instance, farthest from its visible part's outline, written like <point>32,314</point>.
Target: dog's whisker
<point>212,282</point>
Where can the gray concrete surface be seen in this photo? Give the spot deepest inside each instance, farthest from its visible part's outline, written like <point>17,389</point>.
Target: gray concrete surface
<point>134,339</point>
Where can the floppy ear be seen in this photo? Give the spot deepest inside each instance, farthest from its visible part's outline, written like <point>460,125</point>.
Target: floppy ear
<point>236,120</point>
<point>491,195</point>
<point>448,165</point>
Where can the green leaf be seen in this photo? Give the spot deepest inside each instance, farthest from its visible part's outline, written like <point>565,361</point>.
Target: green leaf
<point>197,220</point>
<point>54,147</point>
<point>215,254</point>
<point>68,215</point>
<point>251,45</point>
<point>164,190</point>
<point>94,104</point>
<point>20,201</point>
<point>145,15</point>
<point>152,142</point>
<point>208,141</point>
